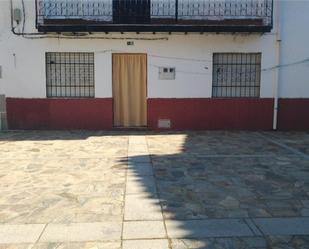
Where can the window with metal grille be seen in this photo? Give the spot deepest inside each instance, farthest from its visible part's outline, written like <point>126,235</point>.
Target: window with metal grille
<point>70,75</point>
<point>236,74</point>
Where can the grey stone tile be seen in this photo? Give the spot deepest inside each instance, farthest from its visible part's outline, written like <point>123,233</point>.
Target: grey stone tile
<point>17,246</point>
<point>140,185</point>
<point>207,228</point>
<point>191,244</point>
<point>305,212</point>
<point>78,245</point>
<point>146,244</point>
<point>220,243</point>
<point>285,146</point>
<point>136,152</point>
<point>142,207</point>
<point>143,230</point>
<point>62,177</point>
<point>82,232</point>
<point>253,227</point>
<point>140,169</point>
<point>256,242</point>
<point>20,233</point>
<point>287,242</point>
<point>139,159</point>
<point>283,226</point>
<point>305,203</point>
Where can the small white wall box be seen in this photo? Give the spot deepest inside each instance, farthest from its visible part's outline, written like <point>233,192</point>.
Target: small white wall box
<point>167,73</point>
<point>164,123</point>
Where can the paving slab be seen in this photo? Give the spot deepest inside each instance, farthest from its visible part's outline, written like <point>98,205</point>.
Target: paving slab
<point>78,245</point>
<point>285,146</point>
<point>65,245</point>
<point>139,159</point>
<point>137,152</point>
<point>140,185</point>
<point>253,227</point>
<point>140,169</point>
<point>283,226</point>
<point>141,207</point>
<point>146,244</point>
<point>79,177</point>
<point>80,173</point>
<point>80,232</point>
<point>143,230</point>
<point>17,246</point>
<point>29,233</point>
<point>221,243</point>
<point>207,228</point>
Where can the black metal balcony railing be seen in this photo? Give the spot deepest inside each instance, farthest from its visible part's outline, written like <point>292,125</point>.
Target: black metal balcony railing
<point>155,15</point>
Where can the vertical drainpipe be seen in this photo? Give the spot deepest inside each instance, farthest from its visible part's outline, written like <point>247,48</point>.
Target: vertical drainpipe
<point>278,56</point>
<point>11,11</point>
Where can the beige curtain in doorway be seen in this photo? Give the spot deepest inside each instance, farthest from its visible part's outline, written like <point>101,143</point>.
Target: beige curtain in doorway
<point>129,90</point>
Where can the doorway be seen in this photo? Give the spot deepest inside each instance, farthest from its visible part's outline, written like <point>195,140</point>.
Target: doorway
<point>130,90</point>
<point>131,11</point>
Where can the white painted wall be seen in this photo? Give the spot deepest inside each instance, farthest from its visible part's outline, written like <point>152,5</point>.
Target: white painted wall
<point>24,73</point>
<point>294,19</point>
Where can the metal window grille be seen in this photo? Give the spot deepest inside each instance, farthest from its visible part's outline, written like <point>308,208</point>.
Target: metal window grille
<point>70,75</point>
<point>236,74</point>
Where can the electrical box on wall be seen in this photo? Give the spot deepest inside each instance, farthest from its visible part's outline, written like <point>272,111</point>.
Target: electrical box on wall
<point>167,73</point>
<point>164,123</point>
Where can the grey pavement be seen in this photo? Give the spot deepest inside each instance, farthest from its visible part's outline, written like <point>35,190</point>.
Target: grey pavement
<point>135,190</point>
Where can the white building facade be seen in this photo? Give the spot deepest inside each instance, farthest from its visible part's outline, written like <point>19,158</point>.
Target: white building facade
<point>68,69</point>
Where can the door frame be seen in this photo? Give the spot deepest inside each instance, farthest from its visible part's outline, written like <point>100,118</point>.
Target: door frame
<point>113,54</point>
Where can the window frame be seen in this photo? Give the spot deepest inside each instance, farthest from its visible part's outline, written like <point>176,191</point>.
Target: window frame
<point>70,91</point>
<point>231,88</point>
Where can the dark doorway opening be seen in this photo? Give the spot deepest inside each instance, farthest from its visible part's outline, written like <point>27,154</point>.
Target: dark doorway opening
<point>131,11</point>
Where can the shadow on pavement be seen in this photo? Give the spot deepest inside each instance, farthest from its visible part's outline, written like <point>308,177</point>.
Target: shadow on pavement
<point>231,176</point>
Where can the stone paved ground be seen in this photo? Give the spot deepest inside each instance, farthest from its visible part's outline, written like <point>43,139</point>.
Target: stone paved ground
<point>134,190</point>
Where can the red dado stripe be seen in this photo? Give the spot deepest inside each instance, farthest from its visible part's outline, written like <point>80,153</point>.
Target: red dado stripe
<point>88,114</point>
<point>210,114</point>
<point>185,114</point>
<point>293,114</point>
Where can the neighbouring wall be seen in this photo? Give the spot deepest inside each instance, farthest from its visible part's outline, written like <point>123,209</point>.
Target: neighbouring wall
<point>294,83</point>
<point>293,114</point>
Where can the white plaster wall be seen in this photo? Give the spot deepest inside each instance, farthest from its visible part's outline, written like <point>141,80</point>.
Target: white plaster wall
<point>24,73</point>
<point>294,19</point>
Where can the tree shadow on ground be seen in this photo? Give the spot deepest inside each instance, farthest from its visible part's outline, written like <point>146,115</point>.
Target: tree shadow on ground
<point>202,176</point>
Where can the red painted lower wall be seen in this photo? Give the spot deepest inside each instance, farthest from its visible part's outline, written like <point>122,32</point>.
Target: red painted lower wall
<point>210,114</point>
<point>89,114</point>
<point>293,114</point>
<point>185,114</point>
